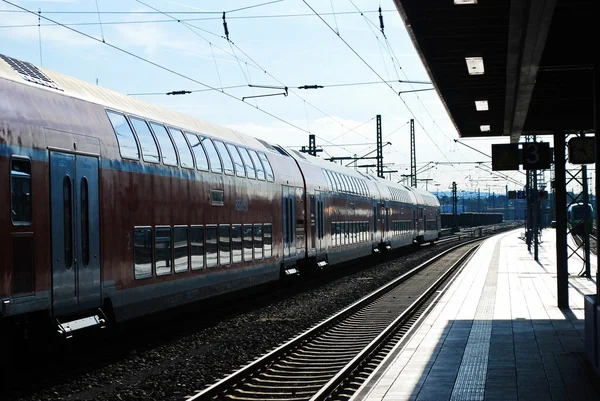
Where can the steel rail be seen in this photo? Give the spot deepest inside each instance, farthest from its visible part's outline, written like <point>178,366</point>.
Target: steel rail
<point>389,331</point>
<point>254,367</point>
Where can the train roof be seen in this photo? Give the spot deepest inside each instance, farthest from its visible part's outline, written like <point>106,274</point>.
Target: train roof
<point>394,191</point>
<point>28,74</point>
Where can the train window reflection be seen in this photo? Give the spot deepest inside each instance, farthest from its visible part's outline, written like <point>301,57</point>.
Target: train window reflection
<point>199,152</point>
<point>258,241</point>
<point>213,156</point>
<point>197,247</point>
<point>260,171</point>
<point>127,144</point>
<point>85,222</point>
<point>247,233</point>
<point>212,248</point>
<point>147,142</point>
<point>68,220</point>
<point>142,252</point>
<point>248,162</point>
<point>227,162</point>
<point>236,243</point>
<point>267,166</point>
<point>185,154</point>
<point>224,244</point>
<point>237,160</point>
<point>20,190</point>
<point>167,149</point>
<point>268,240</point>
<point>162,250</point>
<point>180,249</point>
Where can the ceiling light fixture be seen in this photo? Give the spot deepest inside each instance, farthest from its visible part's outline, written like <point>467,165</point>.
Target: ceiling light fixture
<point>459,2</point>
<point>481,105</point>
<point>485,128</point>
<point>475,65</point>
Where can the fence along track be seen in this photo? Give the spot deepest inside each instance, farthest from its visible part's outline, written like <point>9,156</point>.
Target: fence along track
<point>313,364</point>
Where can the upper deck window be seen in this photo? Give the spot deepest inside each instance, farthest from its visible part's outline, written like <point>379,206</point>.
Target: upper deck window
<point>247,162</point>
<point>20,189</point>
<point>227,162</point>
<point>199,152</point>
<point>237,160</point>
<point>267,166</point>
<point>169,157</point>
<point>125,138</point>
<point>260,171</point>
<point>147,142</point>
<point>213,156</point>
<point>185,153</point>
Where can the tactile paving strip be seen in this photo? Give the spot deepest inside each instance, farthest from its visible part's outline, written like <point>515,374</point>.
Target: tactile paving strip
<point>470,381</point>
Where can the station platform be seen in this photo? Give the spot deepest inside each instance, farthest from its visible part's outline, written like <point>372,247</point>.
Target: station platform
<point>496,334</point>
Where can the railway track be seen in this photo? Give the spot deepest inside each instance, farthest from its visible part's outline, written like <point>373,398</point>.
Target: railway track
<point>332,359</point>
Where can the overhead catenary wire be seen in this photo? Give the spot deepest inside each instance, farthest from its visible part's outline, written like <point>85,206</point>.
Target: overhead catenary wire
<point>378,75</point>
<point>233,44</point>
<point>155,64</point>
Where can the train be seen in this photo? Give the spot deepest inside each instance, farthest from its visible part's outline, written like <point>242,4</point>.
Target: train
<point>115,208</point>
<point>575,218</point>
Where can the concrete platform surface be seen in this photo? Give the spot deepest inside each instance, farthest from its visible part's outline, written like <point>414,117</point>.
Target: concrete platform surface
<point>496,334</point>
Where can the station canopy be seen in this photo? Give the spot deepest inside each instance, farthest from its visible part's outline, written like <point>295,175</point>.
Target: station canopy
<point>508,67</point>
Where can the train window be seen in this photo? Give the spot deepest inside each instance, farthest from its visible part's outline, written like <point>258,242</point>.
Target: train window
<point>349,183</point>
<point>125,138</point>
<point>68,220</point>
<point>247,162</point>
<point>217,197</point>
<point>268,240</point>
<point>185,153</point>
<point>353,188</point>
<point>213,156</point>
<point>224,244</point>
<point>258,241</point>
<point>328,179</point>
<point>237,160</point>
<point>260,171</point>
<point>20,190</point>
<point>338,181</point>
<point>199,152</point>
<point>142,252</point>
<point>225,158</point>
<point>181,248</point>
<point>85,222</point>
<point>345,183</point>
<point>212,248</point>
<point>162,250</point>
<point>236,243</point>
<point>267,166</point>
<point>147,141</point>
<point>247,231</point>
<point>197,247</point>
<point>167,149</point>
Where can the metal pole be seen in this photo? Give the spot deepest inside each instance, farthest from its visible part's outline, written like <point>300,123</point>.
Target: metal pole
<point>528,210</point>
<point>586,219</point>
<point>379,149</point>
<point>536,217</point>
<point>562,272</point>
<point>413,155</point>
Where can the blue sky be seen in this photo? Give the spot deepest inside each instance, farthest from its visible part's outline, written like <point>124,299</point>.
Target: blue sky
<point>293,50</point>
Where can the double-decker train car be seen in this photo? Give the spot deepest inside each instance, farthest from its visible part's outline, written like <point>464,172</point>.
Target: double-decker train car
<point>112,208</point>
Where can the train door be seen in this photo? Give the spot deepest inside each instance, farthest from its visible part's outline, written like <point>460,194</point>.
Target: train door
<point>75,233</point>
<point>312,243</point>
<point>300,225</point>
<point>378,222</point>
<point>289,222</point>
<point>319,221</point>
<point>387,221</point>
